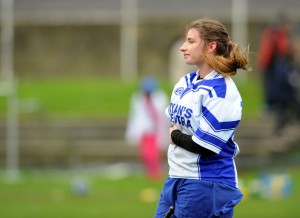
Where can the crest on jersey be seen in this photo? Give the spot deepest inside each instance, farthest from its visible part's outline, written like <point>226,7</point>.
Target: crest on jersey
<point>178,91</point>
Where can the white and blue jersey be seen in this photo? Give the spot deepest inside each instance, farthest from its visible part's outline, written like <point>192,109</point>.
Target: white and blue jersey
<point>210,110</point>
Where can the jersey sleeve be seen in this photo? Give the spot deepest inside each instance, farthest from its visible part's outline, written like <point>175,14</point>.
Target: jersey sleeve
<point>217,124</point>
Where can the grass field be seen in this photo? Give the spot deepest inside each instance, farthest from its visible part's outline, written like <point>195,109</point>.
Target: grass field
<point>49,194</point>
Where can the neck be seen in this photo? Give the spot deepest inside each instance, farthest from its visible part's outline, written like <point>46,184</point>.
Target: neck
<point>204,70</point>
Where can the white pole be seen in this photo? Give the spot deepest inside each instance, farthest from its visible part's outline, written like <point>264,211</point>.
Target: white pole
<point>12,135</point>
<point>129,39</point>
<point>239,20</point>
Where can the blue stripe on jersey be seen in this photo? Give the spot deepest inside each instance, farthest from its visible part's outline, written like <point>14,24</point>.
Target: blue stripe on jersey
<point>210,139</point>
<point>186,80</point>
<point>221,91</point>
<point>189,83</point>
<point>215,124</point>
<point>230,148</point>
<point>219,86</point>
<point>192,76</point>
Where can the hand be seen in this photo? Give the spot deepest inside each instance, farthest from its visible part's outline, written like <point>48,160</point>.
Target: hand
<point>172,128</point>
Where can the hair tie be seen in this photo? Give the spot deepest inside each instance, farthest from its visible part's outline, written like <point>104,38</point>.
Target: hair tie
<point>229,42</point>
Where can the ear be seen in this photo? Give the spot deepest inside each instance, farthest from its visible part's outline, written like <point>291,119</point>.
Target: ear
<point>211,47</point>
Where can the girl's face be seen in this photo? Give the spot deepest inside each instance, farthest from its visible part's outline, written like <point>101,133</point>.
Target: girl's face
<point>192,48</point>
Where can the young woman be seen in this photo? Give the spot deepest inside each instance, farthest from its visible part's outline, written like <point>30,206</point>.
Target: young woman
<point>205,110</point>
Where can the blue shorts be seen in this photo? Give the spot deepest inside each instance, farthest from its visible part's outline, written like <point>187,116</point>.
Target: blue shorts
<point>193,198</point>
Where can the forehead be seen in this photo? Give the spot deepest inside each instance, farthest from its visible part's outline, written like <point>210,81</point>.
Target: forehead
<point>193,34</point>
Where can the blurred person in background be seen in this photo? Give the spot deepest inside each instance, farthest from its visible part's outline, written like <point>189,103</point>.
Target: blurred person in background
<point>275,61</point>
<point>205,109</point>
<point>147,126</point>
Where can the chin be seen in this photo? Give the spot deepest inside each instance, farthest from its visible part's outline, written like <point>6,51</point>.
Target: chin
<point>189,63</point>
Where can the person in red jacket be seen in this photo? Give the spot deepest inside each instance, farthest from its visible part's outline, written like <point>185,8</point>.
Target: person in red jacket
<point>275,61</point>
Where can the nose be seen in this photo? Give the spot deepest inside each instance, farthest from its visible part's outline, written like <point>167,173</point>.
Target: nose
<point>183,47</point>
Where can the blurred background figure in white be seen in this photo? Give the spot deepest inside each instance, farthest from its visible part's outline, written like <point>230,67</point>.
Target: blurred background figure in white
<point>147,125</point>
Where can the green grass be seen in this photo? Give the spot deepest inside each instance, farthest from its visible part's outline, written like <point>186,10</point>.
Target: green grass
<point>49,194</point>
<point>251,92</point>
<point>101,97</point>
<point>77,97</point>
